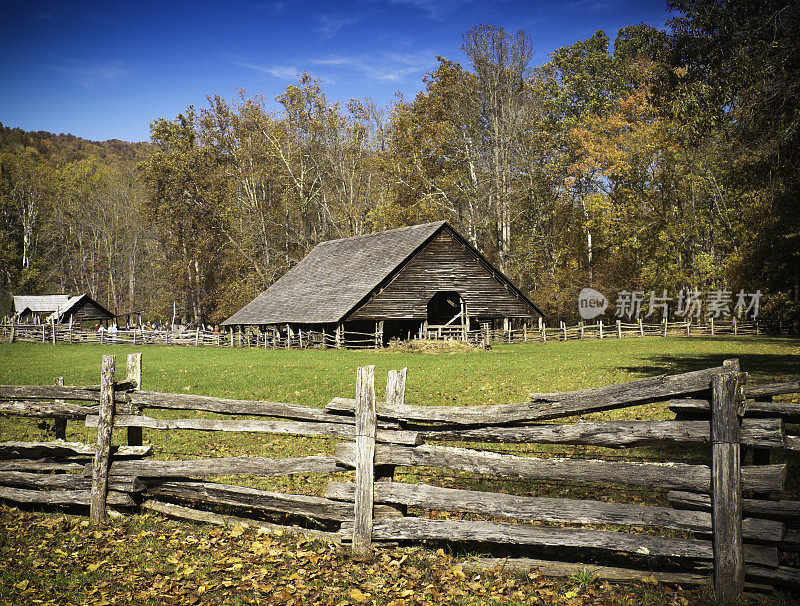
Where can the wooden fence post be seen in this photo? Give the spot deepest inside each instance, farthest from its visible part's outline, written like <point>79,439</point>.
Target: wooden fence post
<point>712,325</point>
<point>365,460</point>
<point>601,329</point>
<point>641,329</point>
<point>726,495</point>
<point>395,395</point>
<point>13,327</point>
<point>97,504</point>
<point>60,422</point>
<point>619,329</point>
<point>197,337</point>
<point>134,365</point>
<point>665,327</point>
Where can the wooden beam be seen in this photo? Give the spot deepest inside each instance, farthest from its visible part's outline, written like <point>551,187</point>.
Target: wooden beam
<point>63,497</point>
<point>521,534</point>
<point>176,401</point>
<point>785,510</point>
<point>604,573</point>
<point>207,517</point>
<point>45,410</point>
<point>224,466</point>
<point>264,500</point>
<point>680,476</point>
<point>544,406</point>
<point>67,481</point>
<point>66,449</point>
<point>763,433</point>
<point>545,509</point>
<point>247,425</point>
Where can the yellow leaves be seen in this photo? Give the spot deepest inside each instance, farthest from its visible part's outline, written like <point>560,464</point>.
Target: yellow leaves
<point>22,585</point>
<point>236,531</point>
<point>359,597</point>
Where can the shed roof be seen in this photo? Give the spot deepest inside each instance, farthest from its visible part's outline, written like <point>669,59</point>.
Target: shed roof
<point>334,277</point>
<point>338,275</point>
<point>57,306</point>
<point>39,303</point>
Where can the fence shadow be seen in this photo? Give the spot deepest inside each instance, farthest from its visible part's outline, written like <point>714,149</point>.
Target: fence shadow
<point>776,367</point>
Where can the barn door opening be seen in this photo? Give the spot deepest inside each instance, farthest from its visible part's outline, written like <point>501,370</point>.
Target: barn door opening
<point>445,307</point>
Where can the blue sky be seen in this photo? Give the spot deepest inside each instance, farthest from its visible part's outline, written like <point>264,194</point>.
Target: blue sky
<point>103,70</point>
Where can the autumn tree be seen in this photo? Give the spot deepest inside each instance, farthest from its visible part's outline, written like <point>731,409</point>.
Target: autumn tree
<point>184,192</point>
<point>500,61</point>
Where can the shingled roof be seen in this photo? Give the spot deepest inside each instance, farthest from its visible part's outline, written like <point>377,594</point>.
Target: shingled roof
<point>58,306</point>
<point>334,277</point>
<point>39,303</point>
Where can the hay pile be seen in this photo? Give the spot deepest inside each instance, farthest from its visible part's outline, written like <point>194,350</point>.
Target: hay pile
<point>431,346</point>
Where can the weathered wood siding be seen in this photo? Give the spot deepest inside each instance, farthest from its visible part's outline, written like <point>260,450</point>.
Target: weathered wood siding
<point>86,310</point>
<point>443,265</point>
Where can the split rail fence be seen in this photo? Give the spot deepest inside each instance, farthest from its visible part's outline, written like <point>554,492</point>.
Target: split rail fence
<point>347,339</point>
<point>732,521</point>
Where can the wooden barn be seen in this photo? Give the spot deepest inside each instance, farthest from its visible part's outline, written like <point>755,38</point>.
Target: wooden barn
<point>59,309</point>
<point>413,281</point>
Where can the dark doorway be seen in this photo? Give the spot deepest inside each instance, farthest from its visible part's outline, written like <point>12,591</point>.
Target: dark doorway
<point>443,307</point>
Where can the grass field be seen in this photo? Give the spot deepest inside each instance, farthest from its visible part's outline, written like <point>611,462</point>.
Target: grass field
<point>505,374</point>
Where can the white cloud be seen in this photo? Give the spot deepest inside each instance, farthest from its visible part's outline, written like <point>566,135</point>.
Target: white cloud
<point>273,8</point>
<point>87,74</point>
<point>436,9</point>
<point>391,67</point>
<point>282,72</point>
<point>330,26</point>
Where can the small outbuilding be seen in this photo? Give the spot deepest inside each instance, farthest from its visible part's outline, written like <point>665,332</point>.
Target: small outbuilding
<point>419,280</point>
<point>59,309</point>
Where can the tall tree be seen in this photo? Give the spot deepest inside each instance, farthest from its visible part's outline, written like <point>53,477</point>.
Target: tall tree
<point>500,61</point>
<point>747,54</point>
<point>184,191</point>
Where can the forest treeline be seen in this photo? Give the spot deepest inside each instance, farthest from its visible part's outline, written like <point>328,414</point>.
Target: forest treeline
<point>659,161</point>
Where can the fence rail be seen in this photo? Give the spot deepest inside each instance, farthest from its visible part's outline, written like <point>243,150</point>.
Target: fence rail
<point>348,339</point>
<point>708,525</point>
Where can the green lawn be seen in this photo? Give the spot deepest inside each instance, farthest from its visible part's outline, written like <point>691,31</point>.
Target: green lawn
<point>505,374</point>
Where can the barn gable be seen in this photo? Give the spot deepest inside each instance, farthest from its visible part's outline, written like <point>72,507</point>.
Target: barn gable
<point>447,263</point>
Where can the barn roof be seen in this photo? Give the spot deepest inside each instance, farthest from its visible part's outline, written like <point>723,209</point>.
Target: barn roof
<point>334,277</point>
<point>39,303</point>
<point>338,275</point>
<point>57,306</point>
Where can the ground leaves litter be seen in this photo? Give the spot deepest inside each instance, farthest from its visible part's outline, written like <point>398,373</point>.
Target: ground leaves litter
<point>59,559</point>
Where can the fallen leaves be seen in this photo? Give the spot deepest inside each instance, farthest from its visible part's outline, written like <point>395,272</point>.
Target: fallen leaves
<point>54,559</point>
